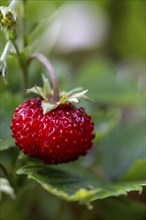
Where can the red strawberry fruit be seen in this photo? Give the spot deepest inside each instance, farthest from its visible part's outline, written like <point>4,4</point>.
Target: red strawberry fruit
<point>61,135</point>
<point>50,127</point>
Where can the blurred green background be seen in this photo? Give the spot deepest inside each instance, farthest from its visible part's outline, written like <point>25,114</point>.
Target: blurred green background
<point>99,45</point>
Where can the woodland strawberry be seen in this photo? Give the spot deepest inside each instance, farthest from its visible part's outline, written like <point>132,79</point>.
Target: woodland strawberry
<point>61,135</point>
<point>50,127</point>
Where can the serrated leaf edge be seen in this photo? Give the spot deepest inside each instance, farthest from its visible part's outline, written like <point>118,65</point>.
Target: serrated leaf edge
<point>85,196</point>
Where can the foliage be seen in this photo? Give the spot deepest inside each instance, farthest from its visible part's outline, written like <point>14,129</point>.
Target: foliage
<point>114,171</point>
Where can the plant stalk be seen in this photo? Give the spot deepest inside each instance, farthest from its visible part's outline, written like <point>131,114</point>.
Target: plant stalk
<point>51,71</point>
<point>13,4</point>
<point>9,44</point>
<point>6,51</point>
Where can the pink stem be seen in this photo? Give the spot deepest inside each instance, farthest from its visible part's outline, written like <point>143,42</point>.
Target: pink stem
<point>51,71</point>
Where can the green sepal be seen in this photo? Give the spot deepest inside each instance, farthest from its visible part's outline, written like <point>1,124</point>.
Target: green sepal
<point>46,86</point>
<point>74,90</point>
<point>47,107</point>
<point>37,90</point>
<point>63,100</point>
<point>73,99</point>
<point>46,93</point>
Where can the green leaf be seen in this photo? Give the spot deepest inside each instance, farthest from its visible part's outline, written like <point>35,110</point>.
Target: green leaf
<point>136,172</point>
<point>6,188</point>
<point>6,144</point>
<point>107,86</point>
<point>8,104</point>
<point>121,208</point>
<point>76,185</point>
<point>36,37</point>
<point>105,121</point>
<point>124,146</point>
<point>123,43</point>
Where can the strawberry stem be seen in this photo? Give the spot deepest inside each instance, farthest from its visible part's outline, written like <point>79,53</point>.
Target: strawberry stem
<point>13,4</point>
<point>51,71</point>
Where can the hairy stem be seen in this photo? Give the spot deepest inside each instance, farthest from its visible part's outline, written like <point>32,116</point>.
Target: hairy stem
<point>13,4</point>
<point>9,44</point>
<point>51,71</point>
<point>24,23</point>
<point>23,66</point>
<point>6,51</point>
<point>16,48</point>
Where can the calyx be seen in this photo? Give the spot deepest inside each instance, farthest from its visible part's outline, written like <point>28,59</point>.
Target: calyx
<point>48,104</point>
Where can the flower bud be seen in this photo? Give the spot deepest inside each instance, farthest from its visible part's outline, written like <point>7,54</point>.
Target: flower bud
<point>8,22</point>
